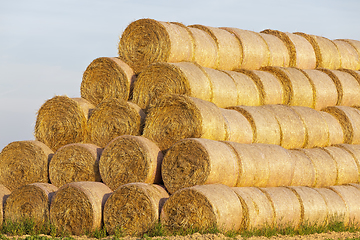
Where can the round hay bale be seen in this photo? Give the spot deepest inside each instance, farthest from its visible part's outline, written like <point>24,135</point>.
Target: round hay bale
<point>147,41</point>
<point>197,161</point>
<point>238,127</point>
<point>128,159</point>
<point>355,74</point>
<point>327,54</point>
<point>270,88</point>
<point>254,50</point>
<point>15,172</point>
<point>75,162</point>
<point>316,129</point>
<point>30,202</point>
<point>134,208</point>
<point>279,54</point>
<point>298,90</point>
<point>174,117</point>
<point>62,120</point>
<point>107,77</point>
<point>354,150</point>
<point>228,47</point>
<point>304,172</point>
<point>265,127</point>
<point>286,207</point>
<point>324,166</point>
<point>77,207</point>
<point>4,194</point>
<point>257,209</point>
<point>112,118</point>
<point>292,129</point>
<point>336,134</point>
<point>355,44</point>
<point>313,206</point>
<point>349,56</point>
<point>302,54</point>
<point>203,207</point>
<point>349,118</point>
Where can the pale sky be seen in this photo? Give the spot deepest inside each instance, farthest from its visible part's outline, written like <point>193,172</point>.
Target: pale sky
<point>46,45</point>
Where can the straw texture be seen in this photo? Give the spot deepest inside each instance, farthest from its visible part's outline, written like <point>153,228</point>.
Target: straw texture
<point>4,194</point>
<point>349,56</point>
<point>279,54</point>
<point>354,150</point>
<point>304,171</point>
<point>336,208</point>
<point>238,127</point>
<point>336,134</point>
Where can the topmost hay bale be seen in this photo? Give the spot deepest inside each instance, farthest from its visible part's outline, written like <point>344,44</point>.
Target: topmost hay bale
<point>106,78</point>
<point>349,56</point>
<point>146,41</point>
<point>302,54</point>
<point>4,194</point>
<point>355,44</point>
<point>62,120</point>
<point>279,54</point>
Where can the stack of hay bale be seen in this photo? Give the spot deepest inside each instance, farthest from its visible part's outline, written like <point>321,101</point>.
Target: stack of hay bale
<point>238,129</point>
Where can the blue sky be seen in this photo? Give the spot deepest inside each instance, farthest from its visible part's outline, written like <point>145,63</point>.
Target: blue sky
<point>45,45</point>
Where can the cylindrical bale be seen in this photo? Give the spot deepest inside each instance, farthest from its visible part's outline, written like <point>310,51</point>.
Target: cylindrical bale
<point>128,159</point>
<point>327,54</point>
<point>286,207</point>
<point>298,90</point>
<point>197,161</point>
<point>265,127</point>
<point>4,194</point>
<point>174,117</point>
<point>349,118</point>
<point>354,150</point>
<point>202,207</point>
<point>336,134</point>
<point>316,128</point>
<point>355,74</point>
<point>279,54</point>
<point>24,162</point>
<point>77,207</point>
<point>146,41</point>
<point>134,208</point>
<point>112,118</point>
<point>304,171</point>
<point>292,128</point>
<point>228,47</point>
<point>355,44</point>
<point>255,52</point>
<point>270,88</point>
<point>30,202</point>
<point>324,166</point>
<point>257,209</point>
<point>238,127</point>
<point>347,86</point>
<point>349,56</point>
<point>107,77</point>
<point>75,162</point>
<point>313,206</point>
<point>325,93</point>
<point>62,120</point>
<point>302,54</point>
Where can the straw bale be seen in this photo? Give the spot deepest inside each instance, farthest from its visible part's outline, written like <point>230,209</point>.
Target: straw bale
<point>197,161</point>
<point>147,41</point>
<point>77,207</point>
<point>128,159</point>
<point>203,207</point>
<point>355,74</point>
<point>107,77</point>
<point>325,93</point>
<point>238,127</point>
<point>62,120</point>
<point>349,56</point>
<point>316,128</point>
<point>279,54</point>
<point>174,117</point>
<point>313,206</point>
<point>302,54</point>
<point>4,194</point>
<point>292,129</point>
<point>134,208</point>
<point>327,54</point>
<point>265,127</point>
<point>286,206</point>
<point>354,150</point>
<point>336,134</point>
<point>336,208</point>
<point>31,201</point>
<point>228,47</point>
<point>270,88</point>
<point>324,166</point>
<point>112,118</point>
<point>254,50</point>
<point>257,209</point>
<point>304,172</point>
<point>355,44</point>
<point>75,162</point>
<point>349,118</point>
<point>298,90</point>
<point>24,162</point>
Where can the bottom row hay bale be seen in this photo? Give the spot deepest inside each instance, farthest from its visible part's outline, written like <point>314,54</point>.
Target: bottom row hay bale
<point>134,208</point>
<point>4,194</point>
<point>30,202</point>
<point>77,207</point>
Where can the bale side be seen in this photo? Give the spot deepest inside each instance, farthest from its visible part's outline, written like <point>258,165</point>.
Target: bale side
<point>238,127</point>
<point>336,134</point>
<point>354,150</point>
<point>355,44</point>
<point>4,194</point>
<point>304,172</point>
<point>279,54</point>
<point>336,208</point>
<point>349,56</point>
